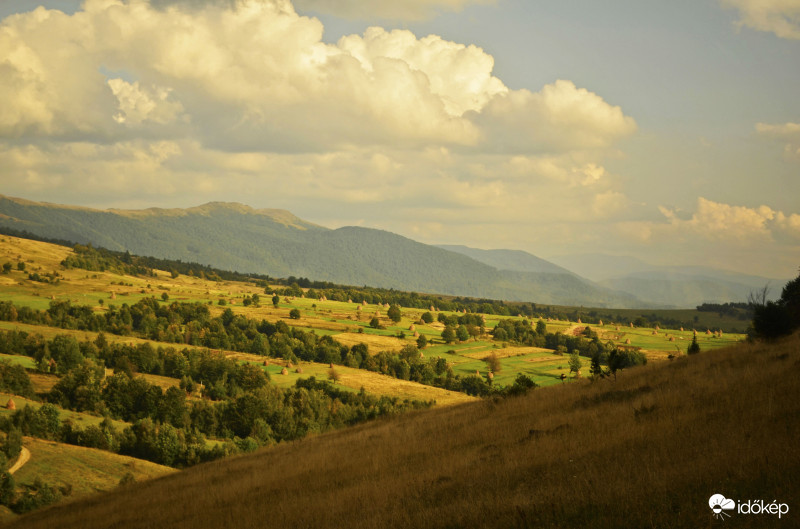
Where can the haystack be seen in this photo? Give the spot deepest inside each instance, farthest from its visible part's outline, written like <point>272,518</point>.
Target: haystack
<point>298,370</point>
<point>113,295</point>
<point>627,341</point>
<point>416,334</point>
<point>490,375</point>
<point>600,323</point>
<point>10,405</point>
<point>412,328</point>
<point>284,371</point>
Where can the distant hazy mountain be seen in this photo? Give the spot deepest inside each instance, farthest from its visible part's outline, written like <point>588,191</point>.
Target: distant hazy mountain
<point>514,260</point>
<point>275,242</point>
<point>682,286</point>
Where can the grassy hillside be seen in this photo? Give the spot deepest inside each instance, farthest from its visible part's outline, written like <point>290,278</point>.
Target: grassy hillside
<point>646,450</point>
<point>236,237</point>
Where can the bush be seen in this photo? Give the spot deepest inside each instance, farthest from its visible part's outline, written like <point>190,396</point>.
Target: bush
<point>294,314</point>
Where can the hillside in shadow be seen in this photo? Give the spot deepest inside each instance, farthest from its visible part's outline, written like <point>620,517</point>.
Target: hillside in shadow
<point>645,450</point>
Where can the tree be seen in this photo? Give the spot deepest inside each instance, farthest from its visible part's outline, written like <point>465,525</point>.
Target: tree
<point>462,333</point>
<point>7,489</point>
<point>575,364</point>
<point>619,359</point>
<point>375,323</point>
<point>294,314</point>
<point>275,300</point>
<point>7,267</point>
<point>493,363</point>
<point>422,341</point>
<point>772,319</point>
<point>394,313</point>
<point>694,347</point>
<point>541,328</point>
<point>164,296</point>
<point>334,375</point>
<point>427,317</point>
<point>449,335</point>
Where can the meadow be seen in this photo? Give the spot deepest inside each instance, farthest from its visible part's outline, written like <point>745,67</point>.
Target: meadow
<point>348,323</point>
<point>647,449</point>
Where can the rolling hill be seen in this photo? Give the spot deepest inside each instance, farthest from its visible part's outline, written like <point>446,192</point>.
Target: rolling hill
<point>647,449</point>
<point>275,242</point>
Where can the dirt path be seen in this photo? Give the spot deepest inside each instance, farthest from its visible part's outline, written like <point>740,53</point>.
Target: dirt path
<point>24,456</point>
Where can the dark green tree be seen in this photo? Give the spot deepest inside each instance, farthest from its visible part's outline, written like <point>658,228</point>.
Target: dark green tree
<point>694,347</point>
<point>394,313</point>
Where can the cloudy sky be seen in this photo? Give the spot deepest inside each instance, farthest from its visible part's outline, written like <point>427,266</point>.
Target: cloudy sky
<point>669,131</point>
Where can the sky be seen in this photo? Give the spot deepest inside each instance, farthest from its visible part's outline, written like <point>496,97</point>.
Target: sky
<point>667,131</point>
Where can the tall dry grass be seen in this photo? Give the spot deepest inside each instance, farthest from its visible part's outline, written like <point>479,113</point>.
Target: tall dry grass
<point>646,450</point>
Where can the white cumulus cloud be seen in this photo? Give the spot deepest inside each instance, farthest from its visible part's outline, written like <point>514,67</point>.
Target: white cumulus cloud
<point>386,9</point>
<point>781,17</point>
<point>789,133</point>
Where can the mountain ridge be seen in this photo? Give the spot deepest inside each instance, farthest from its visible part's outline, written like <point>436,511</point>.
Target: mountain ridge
<point>238,237</point>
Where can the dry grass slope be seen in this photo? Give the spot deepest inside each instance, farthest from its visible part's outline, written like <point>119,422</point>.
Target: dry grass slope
<point>646,450</point>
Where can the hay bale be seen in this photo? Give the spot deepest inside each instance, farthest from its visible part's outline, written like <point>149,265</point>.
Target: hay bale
<point>490,375</point>
<point>671,338</point>
<point>412,328</point>
<point>421,355</point>
<point>478,373</point>
<point>600,323</point>
<point>266,363</point>
<point>113,295</point>
<point>416,334</point>
<point>284,371</point>
<point>708,331</point>
<point>631,325</point>
<point>579,320</point>
<point>432,308</point>
<point>10,405</point>
<point>331,365</point>
<point>364,302</point>
<point>627,341</point>
<point>358,308</point>
<point>298,370</point>
<point>289,365</point>
<point>349,300</point>
<point>681,329</point>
